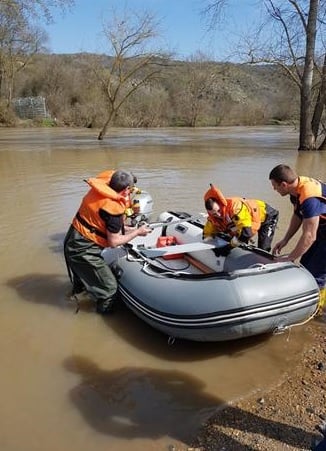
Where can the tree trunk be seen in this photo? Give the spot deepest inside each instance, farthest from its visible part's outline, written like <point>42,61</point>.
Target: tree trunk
<point>1,79</point>
<point>323,145</point>
<point>320,103</point>
<point>306,140</point>
<point>105,126</point>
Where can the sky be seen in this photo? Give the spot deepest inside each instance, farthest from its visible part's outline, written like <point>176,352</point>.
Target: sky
<point>183,29</point>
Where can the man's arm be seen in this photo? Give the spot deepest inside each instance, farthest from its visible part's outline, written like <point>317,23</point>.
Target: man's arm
<point>307,238</point>
<point>294,225</point>
<point>113,229</point>
<point>117,239</point>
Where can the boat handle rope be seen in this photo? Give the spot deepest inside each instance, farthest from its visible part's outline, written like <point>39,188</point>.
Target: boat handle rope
<point>135,259</point>
<point>161,275</point>
<point>148,262</point>
<point>259,266</point>
<point>280,329</point>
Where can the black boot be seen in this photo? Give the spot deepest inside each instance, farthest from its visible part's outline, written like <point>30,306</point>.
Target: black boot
<point>105,307</point>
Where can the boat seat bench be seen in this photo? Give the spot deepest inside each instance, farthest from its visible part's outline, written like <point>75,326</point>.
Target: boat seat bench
<point>154,252</point>
<point>198,264</point>
<point>182,251</point>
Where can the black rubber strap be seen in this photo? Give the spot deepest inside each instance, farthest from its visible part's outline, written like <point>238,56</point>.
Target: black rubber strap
<point>90,227</point>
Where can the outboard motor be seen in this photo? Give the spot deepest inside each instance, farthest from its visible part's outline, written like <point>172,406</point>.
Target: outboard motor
<point>141,207</point>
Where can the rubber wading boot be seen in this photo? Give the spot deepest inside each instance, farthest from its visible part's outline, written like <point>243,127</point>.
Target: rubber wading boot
<point>105,307</point>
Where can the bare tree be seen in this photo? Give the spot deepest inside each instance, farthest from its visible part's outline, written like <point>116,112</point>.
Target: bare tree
<point>213,11</point>
<point>19,41</point>
<point>38,9</point>
<point>317,119</point>
<point>20,38</point>
<point>296,44</point>
<point>133,63</point>
<point>193,94</point>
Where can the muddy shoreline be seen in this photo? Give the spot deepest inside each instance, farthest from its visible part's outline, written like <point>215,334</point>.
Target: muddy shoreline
<point>283,418</point>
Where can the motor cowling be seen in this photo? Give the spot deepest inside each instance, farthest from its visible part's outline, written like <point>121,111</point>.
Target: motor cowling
<point>141,207</point>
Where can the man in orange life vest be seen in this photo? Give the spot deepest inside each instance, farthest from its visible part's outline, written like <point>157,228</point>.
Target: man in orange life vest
<point>99,223</point>
<point>308,197</point>
<point>240,217</point>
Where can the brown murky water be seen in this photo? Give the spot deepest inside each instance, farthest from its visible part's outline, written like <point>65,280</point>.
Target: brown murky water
<point>81,382</point>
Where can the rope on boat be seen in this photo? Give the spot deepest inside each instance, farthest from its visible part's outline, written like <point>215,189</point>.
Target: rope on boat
<point>148,262</point>
<point>135,259</point>
<point>161,275</point>
<point>258,266</point>
<point>282,329</point>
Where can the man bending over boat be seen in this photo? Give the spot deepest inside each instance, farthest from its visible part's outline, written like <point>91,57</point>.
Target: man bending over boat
<point>239,217</point>
<point>99,223</point>
<point>308,197</point>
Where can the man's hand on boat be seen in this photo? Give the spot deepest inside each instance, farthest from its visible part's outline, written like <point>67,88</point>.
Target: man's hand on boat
<point>228,241</point>
<point>144,229</point>
<point>277,249</point>
<point>282,258</point>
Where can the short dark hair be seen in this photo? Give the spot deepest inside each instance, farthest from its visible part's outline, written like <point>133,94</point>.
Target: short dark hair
<point>120,180</point>
<point>283,173</point>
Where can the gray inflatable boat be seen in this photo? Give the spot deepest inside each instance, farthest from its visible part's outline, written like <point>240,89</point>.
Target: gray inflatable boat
<point>207,291</point>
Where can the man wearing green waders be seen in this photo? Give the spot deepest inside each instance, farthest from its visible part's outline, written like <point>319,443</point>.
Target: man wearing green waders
<point>99,223</point>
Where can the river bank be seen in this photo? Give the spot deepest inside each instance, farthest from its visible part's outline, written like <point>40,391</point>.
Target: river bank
<point>283,418</point>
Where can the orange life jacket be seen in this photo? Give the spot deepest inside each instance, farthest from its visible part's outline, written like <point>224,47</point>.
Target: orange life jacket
<point>217,194</point>
<point>106,175</point>
<point>231,207</point>
<point>221,223</point>
<point>309,187</point>
<point>87,220</point>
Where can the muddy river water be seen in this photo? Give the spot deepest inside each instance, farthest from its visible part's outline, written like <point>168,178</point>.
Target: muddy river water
<point>82,382</point>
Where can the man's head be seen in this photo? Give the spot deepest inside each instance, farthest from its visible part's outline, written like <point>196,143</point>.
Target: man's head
<point>213,207</point>
<point>283,179</point>
<point>121,180</point>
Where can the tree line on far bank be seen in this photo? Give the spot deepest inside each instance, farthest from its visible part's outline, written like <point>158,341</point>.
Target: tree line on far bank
<point>282,78</point>
<point>195,93</point>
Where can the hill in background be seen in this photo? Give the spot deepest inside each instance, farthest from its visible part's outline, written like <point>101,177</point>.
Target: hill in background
<point>185,93</point>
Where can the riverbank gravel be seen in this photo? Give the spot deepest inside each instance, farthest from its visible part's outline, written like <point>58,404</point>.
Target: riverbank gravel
<point>286,417</point>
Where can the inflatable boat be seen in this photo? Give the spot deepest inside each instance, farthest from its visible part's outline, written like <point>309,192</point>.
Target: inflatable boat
<point>207,290</point>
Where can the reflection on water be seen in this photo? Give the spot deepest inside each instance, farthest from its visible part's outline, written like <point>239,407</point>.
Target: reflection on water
<point>113,401</point>
<point>115,382</point>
